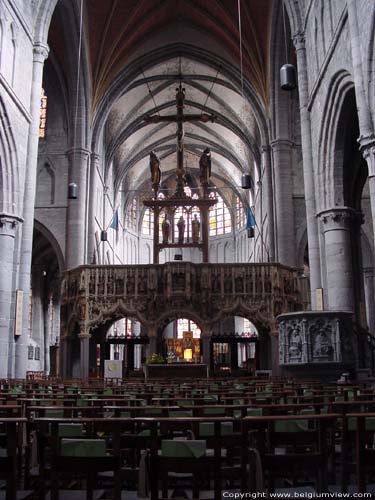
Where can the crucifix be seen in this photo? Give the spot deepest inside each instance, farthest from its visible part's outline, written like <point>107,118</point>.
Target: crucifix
<point>180,199</point>
<point>180,118</point>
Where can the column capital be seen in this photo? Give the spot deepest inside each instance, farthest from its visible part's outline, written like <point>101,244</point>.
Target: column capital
<point>299,40</point>
<point>282,144</point>
<point>339,218</point>
<point>95,157</point>
<point>265,148</point>
<point>9,224</point>
<point>73,152</point>
<point>367,148</point>
<point>40,52</point>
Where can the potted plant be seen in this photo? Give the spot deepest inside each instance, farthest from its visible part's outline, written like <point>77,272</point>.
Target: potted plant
<point>155,359</point>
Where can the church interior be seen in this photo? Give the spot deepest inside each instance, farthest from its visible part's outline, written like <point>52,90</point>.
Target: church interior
<point>187,229</point>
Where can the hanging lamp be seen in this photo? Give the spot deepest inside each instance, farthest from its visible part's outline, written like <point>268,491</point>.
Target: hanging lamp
<point>246,181</point>
<point>72,191</point>
<point>288,74</point>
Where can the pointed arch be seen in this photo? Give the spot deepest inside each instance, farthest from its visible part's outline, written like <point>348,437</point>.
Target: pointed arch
<point>9,169</point>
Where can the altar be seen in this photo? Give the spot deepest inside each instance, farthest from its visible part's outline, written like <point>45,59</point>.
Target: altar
<point>170,371</point>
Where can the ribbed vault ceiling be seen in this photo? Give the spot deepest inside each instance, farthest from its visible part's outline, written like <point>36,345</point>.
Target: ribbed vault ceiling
<point>120,33</point>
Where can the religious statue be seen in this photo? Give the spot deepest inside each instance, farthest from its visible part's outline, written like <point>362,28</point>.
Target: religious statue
<point>181,230</point>
<point>322,346</point>
<point>165,227</point>
<point>205,169</point>
<point>195,229</point>
<point>155,172</point>
<point>295,344</point>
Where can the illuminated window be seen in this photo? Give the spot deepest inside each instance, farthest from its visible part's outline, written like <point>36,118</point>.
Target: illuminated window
<point>220,219</point>
<point>42,115</point>
<point>131,215</point>
<point>249,329</point>
<point>240,214</point>
<point>185,325</point>
<point>148,222</point>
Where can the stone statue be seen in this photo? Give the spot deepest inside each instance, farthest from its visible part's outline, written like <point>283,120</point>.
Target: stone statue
<point>295,344</point>
<point>155,172</point>
<point>165,227</point>
<point>205,169</point>
<point>195,228</point>
<point>322,346</point>
<point>181,230</point>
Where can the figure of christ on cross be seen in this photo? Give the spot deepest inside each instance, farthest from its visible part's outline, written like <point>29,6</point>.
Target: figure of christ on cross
<point>180,118</point>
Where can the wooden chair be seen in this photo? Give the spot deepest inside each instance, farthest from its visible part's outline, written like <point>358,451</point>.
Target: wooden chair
<point>292,446</point>
<point>11,428</point>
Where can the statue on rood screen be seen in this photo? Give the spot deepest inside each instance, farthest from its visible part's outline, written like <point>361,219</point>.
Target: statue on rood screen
<point>181,230</point>
<point>205,169</point>
<point>165,227</point>
<point>195,228</point>
<point>155,172</point>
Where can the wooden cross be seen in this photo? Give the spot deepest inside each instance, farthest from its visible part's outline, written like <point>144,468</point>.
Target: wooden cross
<point>180,118</point>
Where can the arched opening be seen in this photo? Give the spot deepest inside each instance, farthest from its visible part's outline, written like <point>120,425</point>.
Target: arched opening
<point>118,349</point>
<point>235,347</point>
<point>44,304</point>
<point>180,341</point>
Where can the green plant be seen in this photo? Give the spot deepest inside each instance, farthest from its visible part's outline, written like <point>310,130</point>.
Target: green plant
<point>155,358</point>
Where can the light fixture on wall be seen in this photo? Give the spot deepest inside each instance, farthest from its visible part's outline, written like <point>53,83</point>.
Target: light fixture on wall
<point>72,191</point>
<point>246,181</point>
<point>103,235</point>
<point>288,78</point>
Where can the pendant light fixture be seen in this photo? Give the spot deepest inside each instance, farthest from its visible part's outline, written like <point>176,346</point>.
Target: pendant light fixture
<point>72,191</point>
<point>288,78</point>
<point>246,181</point>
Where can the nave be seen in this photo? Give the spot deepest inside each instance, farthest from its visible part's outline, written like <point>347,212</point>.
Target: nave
<point>203,438</point>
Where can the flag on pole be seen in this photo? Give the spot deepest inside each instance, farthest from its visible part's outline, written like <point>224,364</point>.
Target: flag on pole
<point>114,223</point>
<point>250,223</point>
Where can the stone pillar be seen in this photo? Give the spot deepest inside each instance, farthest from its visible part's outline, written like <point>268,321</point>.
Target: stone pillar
<point>91,247</point>
<point>85,354</point>
<point>267,182</point>
<point>336,225</point>
<point>8,228</point>
<point>308,168</point>
<point>76,213</point>
<point>206,345</point>
<point>65,370</point>
<point>40,53</point>
<point>285,230</point>
<point>368,275</point>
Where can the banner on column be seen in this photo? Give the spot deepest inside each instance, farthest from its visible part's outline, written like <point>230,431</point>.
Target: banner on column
<point>112,368</point>
<point>18,316</point>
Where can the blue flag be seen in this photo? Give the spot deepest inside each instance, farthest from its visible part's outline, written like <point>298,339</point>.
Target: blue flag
<point>250,223</point>
<point>114,223</point>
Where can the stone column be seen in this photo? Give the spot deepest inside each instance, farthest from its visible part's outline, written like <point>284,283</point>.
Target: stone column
<point>8,229</point>
<point>368,275</point>
<point>40,53</point>
<point>308,168</point>
<point>76,213</point>
<point>336,225</point>
<point>285,230</point>
<point>267,182</point>
<point>206,345</point>
<point>91,247</point>
<point>366,127</point>
<point>85,354</point>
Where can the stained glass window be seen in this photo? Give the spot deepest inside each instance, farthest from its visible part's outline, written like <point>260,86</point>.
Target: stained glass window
<point>185,325</point>
<point>219,218</point>
<point>42,115</point>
